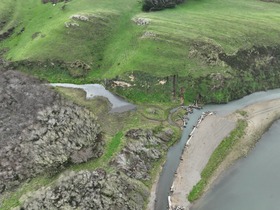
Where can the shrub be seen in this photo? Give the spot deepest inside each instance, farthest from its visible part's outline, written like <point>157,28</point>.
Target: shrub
<point>155,5</point>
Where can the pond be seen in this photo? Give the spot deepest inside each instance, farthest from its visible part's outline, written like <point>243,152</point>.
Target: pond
<point>94,90</point>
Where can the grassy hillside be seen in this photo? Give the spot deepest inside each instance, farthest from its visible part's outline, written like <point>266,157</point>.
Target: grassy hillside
<point>201,49</point>
<point>184,41</point>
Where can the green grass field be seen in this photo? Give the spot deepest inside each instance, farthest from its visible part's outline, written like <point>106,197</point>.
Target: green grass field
<point>112,44</point>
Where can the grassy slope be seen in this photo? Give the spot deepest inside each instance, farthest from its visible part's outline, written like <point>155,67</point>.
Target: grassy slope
<point>117,47</point>
<point>6,8</point>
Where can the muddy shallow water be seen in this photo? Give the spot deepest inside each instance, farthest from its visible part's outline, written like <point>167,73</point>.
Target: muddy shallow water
<point>94,90</point>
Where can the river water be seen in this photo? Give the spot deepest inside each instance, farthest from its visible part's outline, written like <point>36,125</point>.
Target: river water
<point>253,182</point>
<point>175,152</point>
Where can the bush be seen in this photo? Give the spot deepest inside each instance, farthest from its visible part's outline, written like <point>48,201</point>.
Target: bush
<point>155,5</point>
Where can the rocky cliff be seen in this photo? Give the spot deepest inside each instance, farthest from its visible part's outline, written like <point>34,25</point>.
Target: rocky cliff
<point>120,189</point>
<point>89,190</point>
<point>144,147</point>
<point>40,131</point>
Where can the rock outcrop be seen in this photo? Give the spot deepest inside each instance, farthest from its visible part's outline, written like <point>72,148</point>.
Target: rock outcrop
<point>144,147</point>
<point>89,190</point>
<point>40,131</point>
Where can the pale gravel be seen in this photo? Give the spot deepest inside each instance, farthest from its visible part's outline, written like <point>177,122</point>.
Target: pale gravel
<point>205,139</point>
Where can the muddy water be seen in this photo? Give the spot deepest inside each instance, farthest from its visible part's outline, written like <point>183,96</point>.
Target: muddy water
<point>253,182</point>
<point>94,90</point>
<point>174,153</point>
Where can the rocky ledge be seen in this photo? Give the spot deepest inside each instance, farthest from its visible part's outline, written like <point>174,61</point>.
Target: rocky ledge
<point>40,131</point>
<point>119,189</point>
<point>143,148</point>
<point>89,190</point>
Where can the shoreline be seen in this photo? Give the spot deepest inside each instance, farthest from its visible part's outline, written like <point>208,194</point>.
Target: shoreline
<point>212,130</point>
<point>152,199</point>
<point>259,117</point>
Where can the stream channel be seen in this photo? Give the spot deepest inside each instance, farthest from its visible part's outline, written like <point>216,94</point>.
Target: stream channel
<point>174,153</point>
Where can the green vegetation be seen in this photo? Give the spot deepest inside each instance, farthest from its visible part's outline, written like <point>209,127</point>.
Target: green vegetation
<point>113,146</point>
<point>193,41</point>
<point>178,115</point>
<point>242,113</point>
<point>216,158</point>
<point>153,112</point>
<point>12,199</point>
<point>112,44</point>
<point>113,123</point>
<point>114,126</point>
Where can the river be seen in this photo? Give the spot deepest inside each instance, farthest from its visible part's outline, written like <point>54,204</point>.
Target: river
<point>175,152</point>
<point>253,182</point>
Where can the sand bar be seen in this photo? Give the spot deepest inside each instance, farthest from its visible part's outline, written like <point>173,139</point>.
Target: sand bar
<point>209,135</point>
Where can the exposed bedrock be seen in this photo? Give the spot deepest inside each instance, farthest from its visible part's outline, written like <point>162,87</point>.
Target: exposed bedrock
<point>40,131</point>
<point>89,190</point>
<point>144,147</point>
<point>119,189</point>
